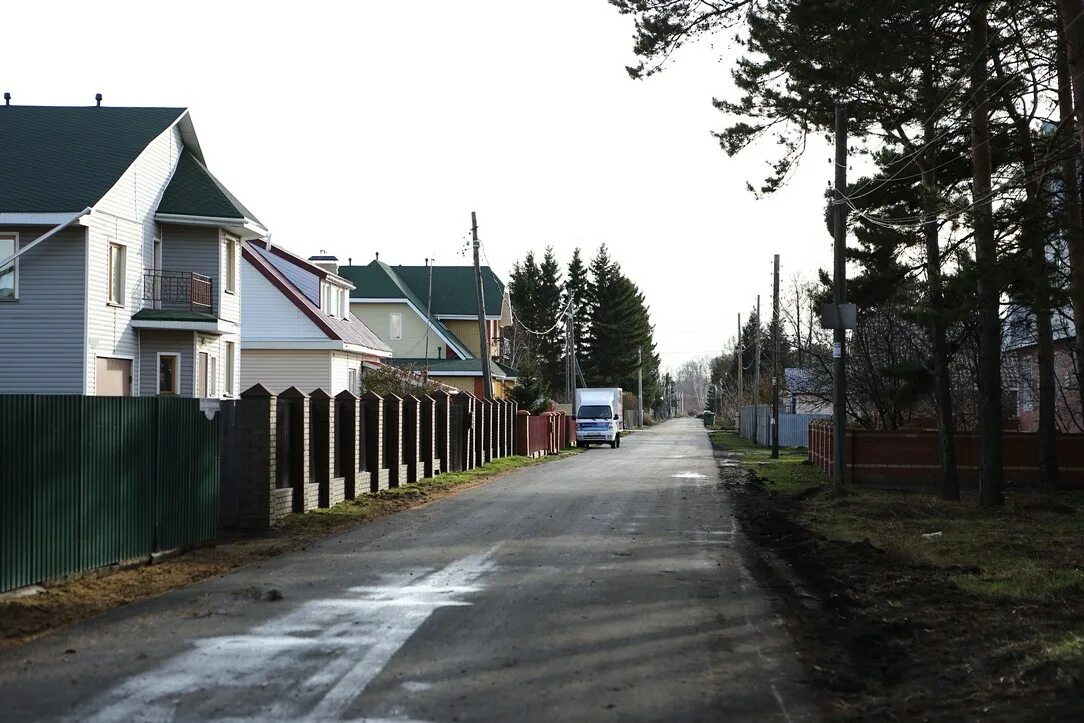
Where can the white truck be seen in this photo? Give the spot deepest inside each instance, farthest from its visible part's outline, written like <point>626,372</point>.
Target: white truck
<point>599,416</point>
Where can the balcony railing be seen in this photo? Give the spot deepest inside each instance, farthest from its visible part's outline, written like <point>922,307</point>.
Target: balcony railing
<point>178,290</point>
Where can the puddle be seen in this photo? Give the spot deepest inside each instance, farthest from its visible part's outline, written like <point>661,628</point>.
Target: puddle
<point>689,475</point>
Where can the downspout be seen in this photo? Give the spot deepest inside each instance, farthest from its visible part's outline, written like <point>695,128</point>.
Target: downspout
<point>44,237</point>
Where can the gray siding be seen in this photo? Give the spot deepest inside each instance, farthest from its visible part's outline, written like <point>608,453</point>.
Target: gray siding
<point>201,250</point>
<point>151,342</point>
<point>42,334</point>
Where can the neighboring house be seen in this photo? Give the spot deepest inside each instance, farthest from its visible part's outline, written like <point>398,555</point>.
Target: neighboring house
<point>119,255</point>
<point>435,333</point>
<point>1020,370</point>
<point>799,393</point>
<point>296,325</point>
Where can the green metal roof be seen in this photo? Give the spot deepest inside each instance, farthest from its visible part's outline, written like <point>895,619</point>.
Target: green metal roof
<point>172,315</point>
<point>453,286</point>
<point>194,191</point>
<point>473,365</point>
<point>56,159</point>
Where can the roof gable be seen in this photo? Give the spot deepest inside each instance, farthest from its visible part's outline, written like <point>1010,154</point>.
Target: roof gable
<point>194,191</point>
<point>64,159</point>
<point>353,331</point>
<point>454,291</point>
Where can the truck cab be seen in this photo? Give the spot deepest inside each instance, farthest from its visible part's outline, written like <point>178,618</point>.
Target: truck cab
<point>598,417</point>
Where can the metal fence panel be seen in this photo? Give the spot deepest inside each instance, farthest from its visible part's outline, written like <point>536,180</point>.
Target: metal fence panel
<point>91,481</point>
<point>793,428</point>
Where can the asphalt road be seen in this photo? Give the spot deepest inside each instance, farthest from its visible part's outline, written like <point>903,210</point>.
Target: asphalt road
<point>607,586</point>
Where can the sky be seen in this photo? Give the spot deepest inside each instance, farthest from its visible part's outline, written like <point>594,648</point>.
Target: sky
<point>364,127</point>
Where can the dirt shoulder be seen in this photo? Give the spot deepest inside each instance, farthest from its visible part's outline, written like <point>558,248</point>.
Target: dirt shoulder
<point>905,607</point>
<point>59,605</point>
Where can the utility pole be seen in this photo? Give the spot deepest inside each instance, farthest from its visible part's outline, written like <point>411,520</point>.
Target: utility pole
<point>756,378</point>
<point>483,331</point>
<point>640,385</point>
<point>775,359</point>
<point>741,375</point>
<point>839,296</point>
<point>429,315</point>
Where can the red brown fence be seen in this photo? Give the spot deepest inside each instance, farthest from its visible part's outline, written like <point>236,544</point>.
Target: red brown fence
<point>546,433</point>
<point>912,457</point>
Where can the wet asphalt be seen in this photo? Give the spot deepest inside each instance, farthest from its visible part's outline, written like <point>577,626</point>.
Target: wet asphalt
<point>609,586</point>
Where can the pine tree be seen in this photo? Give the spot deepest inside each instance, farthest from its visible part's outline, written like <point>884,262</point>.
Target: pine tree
<point>550,346</point>
<point>577,289</point>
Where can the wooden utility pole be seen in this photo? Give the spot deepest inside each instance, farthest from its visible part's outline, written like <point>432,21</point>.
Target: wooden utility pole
<point>741,373</point>
<point>640,386</point>
<point>756,378</point>
<point>775,358</point>
<point>483,330</point>
<point>839,296</point>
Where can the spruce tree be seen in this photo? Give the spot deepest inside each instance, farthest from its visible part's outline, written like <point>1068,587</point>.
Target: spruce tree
<point>550,345</point>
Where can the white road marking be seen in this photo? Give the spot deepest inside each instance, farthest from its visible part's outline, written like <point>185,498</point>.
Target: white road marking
<point>336,646</point>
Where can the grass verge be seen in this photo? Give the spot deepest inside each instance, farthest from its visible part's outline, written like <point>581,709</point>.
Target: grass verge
<point>920,608</point>
<point>1032,549</point>
<point>25,618</point>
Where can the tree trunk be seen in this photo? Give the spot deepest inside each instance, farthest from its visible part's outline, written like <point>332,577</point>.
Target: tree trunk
<point>991,462</point>
<point>1074,227</point>
<point>942,387</point>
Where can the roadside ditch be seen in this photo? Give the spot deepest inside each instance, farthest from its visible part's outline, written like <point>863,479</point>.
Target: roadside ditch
<point>887,629</point>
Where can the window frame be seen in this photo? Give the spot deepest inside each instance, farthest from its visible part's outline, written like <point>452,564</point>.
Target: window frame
<point>202,374</point>
<point>14,237</point>
<point>122,254</point>
<point>231,368</point>
<point>391,325</point>
<point>176,374</point>
<point>229,274</point>
<point>353,380</point>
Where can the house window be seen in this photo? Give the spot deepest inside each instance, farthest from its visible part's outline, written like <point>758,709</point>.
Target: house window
<point>231,265</point>
<point>212,376</point>
<point>9,276</point>
<point>168,369</point>
<point>116,274</point>
<point>204,364</point>
<point>344,304</point>
<point>231,350</point>
<point>352,380</point>
<point>396,330</point>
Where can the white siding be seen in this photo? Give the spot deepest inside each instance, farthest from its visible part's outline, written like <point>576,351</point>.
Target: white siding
<point>125,215</point>
<point>341,363</point>
<point>267,314</point>
<point>280,369</point>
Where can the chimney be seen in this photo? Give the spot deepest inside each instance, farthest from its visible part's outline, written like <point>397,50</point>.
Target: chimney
<point>98,99</point>
<point>325,261</point>
<point>7,98</point>
<point>377,255</point>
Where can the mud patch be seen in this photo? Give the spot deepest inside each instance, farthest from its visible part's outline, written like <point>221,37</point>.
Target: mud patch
<point>884,639</point>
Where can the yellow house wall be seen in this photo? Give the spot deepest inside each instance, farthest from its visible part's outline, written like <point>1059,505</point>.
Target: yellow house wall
<point>467,330</point>
<point>412,346</point>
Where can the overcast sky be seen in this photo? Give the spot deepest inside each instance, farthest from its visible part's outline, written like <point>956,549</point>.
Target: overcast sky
<point>378,127</point>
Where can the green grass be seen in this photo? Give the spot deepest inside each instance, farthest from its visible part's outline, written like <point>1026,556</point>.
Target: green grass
<point>789,474</point>
<point>1032,549</point>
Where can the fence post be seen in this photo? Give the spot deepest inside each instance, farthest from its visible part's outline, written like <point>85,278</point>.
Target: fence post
<point>523,433</point>
<point>379,475</point>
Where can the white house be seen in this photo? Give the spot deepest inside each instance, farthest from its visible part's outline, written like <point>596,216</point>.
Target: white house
<point>296,325</point>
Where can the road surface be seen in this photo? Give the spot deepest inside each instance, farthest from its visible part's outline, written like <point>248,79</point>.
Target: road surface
<point>607,586</point>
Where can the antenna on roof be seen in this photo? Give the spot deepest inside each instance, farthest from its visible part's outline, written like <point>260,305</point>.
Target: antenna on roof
<point>7,98</point>
<point>377,255</point>
<point>98,99</point>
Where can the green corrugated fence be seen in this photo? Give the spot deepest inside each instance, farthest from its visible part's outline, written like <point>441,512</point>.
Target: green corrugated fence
<point>91,481</point>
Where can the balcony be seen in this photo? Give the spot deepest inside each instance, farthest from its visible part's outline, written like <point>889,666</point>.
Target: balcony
<point>178,290</point>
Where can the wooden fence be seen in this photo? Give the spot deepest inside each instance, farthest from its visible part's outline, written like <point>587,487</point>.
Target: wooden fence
<point>912,457</point>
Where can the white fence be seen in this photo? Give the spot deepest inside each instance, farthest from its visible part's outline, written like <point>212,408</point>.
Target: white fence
<point>793,428</point>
